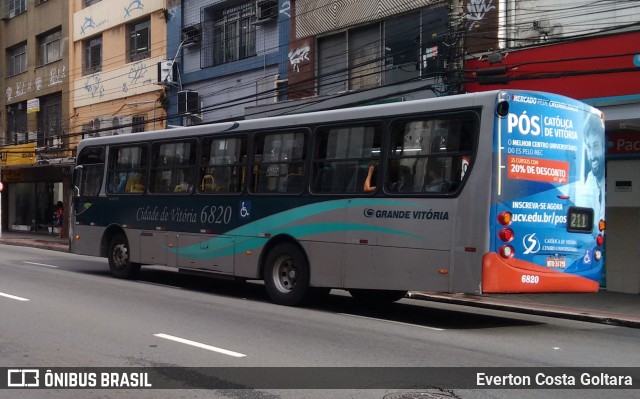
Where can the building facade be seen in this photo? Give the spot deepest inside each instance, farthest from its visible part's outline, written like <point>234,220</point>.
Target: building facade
<point>587,51</point>
<point>34,112</point>
<point>116,84</point>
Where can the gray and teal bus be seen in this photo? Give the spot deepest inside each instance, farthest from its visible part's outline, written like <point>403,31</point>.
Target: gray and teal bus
<point>492,192</point>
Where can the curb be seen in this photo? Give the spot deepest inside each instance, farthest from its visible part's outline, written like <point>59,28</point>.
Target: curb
<point>556,311</point>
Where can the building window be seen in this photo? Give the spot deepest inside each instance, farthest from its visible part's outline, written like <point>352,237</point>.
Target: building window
<point>364,57</point>
<point>231,34</point>
<point>15,7</point>
<point>49,44</point>
<point>332,64</point>
<point>139,40</point>
<point>88,3</point>
<point>137,124</point>
<point>349,60</point>
<point>17,122</point>
<point>17,59</point>
<point>50,120</point>
<point>402,48</point>
<point>396,50</point>
<point>93,55</point>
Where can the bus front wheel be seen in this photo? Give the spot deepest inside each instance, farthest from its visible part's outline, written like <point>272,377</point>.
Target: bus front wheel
<point>119,258</point>
<point>286,275</point>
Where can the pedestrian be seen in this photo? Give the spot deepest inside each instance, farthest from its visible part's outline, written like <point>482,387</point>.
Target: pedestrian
<point>58,216</point>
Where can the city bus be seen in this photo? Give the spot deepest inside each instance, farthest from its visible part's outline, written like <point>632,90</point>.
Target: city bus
<point>476,193</point>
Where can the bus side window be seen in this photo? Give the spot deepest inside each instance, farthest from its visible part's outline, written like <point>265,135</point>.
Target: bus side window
<point>222,165</point>
<point>279,162</point>
<point>127,170</point>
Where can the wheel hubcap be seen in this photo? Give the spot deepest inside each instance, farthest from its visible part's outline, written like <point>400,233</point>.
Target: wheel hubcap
<point>285,274</point>
<point>120,256</point>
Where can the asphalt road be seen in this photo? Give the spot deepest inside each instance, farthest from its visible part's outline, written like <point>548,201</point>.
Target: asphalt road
<point>64,310</point>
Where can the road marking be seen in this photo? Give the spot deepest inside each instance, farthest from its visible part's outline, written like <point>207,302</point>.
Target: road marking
<point>39,264</point>
<point>200,345</point>
<point>393,322</point>
<point>17,298</point>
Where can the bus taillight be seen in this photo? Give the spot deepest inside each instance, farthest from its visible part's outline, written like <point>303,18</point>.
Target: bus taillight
<point>602,225</point>
<point>600,240</point>
<point>504,218</point>
<point>507,251</point>
<point>506,234</point>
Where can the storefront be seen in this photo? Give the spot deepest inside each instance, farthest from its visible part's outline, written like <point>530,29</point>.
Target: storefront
<point>31,189</point>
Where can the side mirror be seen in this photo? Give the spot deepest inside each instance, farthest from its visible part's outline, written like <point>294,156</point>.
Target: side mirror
<point>77,180</point>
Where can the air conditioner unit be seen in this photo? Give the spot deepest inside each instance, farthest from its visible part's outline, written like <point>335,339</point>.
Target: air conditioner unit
<point>101,126</point>
<point>56,142</point>
<point>191,34</point>
<point>188,102</point>
<point>266,10</point>
<point>167,72</point>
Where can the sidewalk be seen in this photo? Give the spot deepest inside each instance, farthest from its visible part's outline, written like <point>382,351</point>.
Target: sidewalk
<point>601,307</point>
<point>35,240</point>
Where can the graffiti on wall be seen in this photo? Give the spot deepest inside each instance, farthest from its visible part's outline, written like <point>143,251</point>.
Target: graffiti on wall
<point>22,88</point>
<point>286,8</point>
<point>478,9</point>
<point>134,5</point>
<point>297,56</point>
<point>482,23</point>
<point>93,86</point>
<point>134,78</point>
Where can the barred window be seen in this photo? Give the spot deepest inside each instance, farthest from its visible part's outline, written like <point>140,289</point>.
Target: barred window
<point>229,34</point>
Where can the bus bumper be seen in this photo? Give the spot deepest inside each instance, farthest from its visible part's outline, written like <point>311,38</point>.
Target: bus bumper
<point>517,276</point>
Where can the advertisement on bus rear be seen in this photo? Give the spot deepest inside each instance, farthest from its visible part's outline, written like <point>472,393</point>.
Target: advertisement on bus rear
<point>549,162</point>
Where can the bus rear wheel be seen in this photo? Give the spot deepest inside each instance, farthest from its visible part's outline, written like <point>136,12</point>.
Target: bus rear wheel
<point>377,297</point>
<point>119,258</point>
<point>286,275</point>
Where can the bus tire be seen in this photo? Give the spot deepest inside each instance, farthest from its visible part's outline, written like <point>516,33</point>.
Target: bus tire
<point>119,261</point>
<point>377,297</point>
<point>286,275</point>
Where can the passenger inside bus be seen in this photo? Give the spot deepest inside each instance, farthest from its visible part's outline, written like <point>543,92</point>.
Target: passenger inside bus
<point>370,179</point>
<point>435,176</point>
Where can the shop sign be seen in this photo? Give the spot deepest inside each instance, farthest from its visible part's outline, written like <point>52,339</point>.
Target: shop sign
<point>33,106</point>
<point>21,154</point>
<point>12,175</point>
<point>623,142</point>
